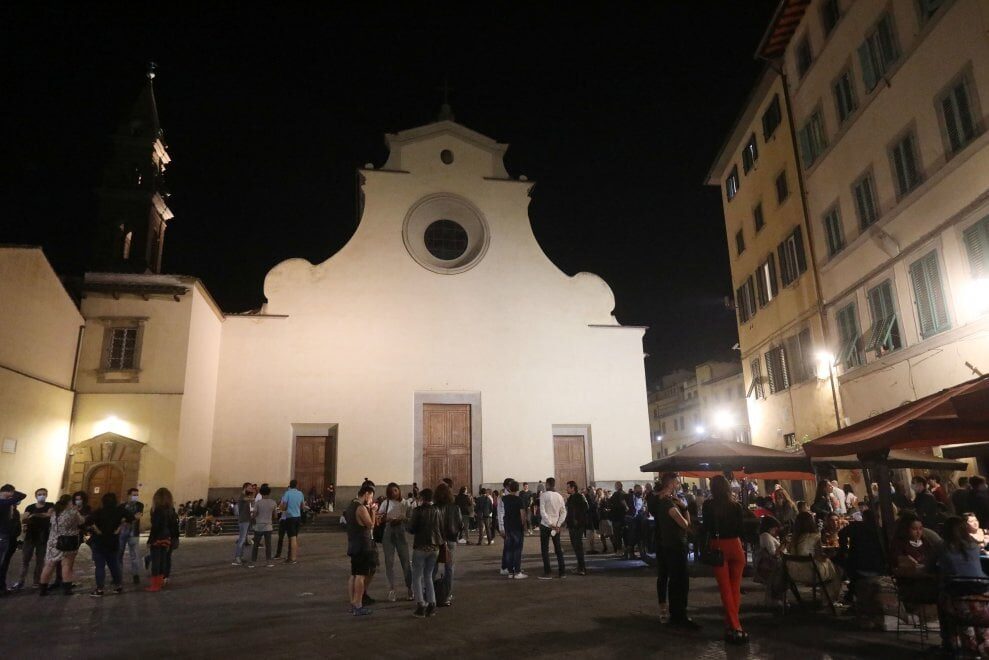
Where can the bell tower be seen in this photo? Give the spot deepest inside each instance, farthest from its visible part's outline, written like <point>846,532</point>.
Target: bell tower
<point>133,213</point>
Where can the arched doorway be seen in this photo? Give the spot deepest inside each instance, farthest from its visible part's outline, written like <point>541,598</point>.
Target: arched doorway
<point>104,479</point>
<point>107,461</point>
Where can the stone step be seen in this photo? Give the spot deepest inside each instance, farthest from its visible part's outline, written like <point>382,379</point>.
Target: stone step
<point>324,522</point>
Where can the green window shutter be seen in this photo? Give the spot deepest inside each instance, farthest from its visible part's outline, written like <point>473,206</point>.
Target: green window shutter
<point>951,122</point>
<point>929,295</point>
<point>977,247</point>
<point>794,358</point>
<point>774,286</point>
<point>806,150</point>
<point>964,112</point>
<point>798,247</point>
<point>869,77</point>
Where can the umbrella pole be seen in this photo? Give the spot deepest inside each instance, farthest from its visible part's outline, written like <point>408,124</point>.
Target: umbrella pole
<point>885,499</point>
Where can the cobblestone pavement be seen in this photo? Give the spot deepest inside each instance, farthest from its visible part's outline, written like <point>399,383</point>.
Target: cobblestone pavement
<point>214,609</point>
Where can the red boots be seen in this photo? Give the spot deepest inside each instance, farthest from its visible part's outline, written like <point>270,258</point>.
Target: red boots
<point>156,582</point>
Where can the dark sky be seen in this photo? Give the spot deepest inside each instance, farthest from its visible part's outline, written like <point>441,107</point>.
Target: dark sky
<point>616,113</point>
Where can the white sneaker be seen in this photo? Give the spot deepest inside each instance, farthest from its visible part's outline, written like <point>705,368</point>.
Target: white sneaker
<point>489,542</point>
<point>461,541</point>
<point>520,576</point>
<point>511,576</point>
<point>236,562</point>
<point>391,596</point>
<point>503,571</point>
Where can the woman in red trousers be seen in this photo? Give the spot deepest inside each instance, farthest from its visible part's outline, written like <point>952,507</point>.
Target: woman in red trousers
<point>723,526</point>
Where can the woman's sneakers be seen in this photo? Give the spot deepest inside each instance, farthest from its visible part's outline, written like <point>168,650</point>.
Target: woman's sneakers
<point>96,593</point>
<point>361,611</point>
<point>391,596</point>
<point>431,610</point>
<point>420,612</point>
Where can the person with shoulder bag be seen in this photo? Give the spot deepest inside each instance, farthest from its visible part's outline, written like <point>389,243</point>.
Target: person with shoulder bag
<point>394,513</point>
<point>723,525</point>
<point>63,544</point>
<point>452,526</point>
<point>426,527</point>
<point>162,537</point>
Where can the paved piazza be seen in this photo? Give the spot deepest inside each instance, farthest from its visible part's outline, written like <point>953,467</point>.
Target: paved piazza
<point>213,609</point>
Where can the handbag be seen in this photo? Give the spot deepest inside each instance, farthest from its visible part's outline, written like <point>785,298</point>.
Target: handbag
<point>713,556</point>
<point>378,533</point>
<point>444,555</point>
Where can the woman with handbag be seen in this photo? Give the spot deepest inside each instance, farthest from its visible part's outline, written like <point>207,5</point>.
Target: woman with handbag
<point>394,513</point>
<point>163,535</point>
<point>63,544</point>
<point>723,528</point>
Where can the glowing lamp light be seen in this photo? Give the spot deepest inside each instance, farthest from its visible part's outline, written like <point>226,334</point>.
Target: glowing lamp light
<point>978,295</point>
<point>112,424</point>
<point>723,419</point>
<point>659,437</point>
<point>825,360</point>
<point>699,430</point>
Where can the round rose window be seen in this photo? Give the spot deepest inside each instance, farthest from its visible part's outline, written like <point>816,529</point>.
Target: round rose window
<point>445,239</point>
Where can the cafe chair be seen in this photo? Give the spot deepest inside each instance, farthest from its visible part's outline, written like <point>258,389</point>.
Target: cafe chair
<point>913,603</point>
<point>816,581</point>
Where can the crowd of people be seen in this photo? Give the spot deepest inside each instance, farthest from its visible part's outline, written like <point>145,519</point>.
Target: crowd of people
<point>54,531</point>
<point>939,540</point>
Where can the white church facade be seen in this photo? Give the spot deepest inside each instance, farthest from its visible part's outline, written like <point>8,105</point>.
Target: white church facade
<point>440,341</point>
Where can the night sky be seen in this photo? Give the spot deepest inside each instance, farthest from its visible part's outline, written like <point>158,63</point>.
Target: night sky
<point>615,113</point>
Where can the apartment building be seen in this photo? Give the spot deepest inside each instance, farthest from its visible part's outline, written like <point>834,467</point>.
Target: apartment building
<point>689,406</point>
<point>888,101</point>
<point>790,394</point>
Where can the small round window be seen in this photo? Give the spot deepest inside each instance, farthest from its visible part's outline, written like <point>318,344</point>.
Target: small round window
<point>446,156</point>
<point>445,239</point>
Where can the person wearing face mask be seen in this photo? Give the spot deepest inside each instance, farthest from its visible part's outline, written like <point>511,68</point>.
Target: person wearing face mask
<point>130,533</point>
<point>37,521</point>
<point>63,543</point>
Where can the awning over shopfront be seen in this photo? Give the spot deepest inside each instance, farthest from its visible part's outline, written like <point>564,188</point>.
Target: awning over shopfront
<point>957,415</point>
<point>898,459</point>
<point>717,456</point>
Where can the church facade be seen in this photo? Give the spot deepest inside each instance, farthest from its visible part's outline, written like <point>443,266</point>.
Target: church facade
<point>440,341</point>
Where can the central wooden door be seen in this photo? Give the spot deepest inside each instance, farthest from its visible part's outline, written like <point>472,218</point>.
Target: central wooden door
<point>446,445</point>
<point>104,479</point>
<point>569,462</point>
<point>314,461</point>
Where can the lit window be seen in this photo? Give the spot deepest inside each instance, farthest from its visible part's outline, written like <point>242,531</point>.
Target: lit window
<point>121,352</point>
<point>731,183</point>
<point>750,154</point>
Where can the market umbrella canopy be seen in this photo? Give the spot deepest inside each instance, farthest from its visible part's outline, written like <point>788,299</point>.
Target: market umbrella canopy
<point>957,415</point>
<point>727,456</point>
<point>898,458</point>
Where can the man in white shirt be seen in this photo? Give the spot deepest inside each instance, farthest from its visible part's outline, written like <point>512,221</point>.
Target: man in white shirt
<point>839,495</point>
<point>552,516</point>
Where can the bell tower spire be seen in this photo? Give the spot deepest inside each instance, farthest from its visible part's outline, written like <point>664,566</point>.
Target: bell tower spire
<point>133,212</point>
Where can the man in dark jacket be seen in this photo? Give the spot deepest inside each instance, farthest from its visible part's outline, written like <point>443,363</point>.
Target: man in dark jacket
<point>979,500</point>
<point>577,515</point>
<point>483,509</point>
<point>961,498</point>
<point>617,511</point>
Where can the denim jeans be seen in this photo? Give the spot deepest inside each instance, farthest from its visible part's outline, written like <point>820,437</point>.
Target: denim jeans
<point>130,544</point>
<point>395,541</point>
<point>423,565</point>
<point>483,529</point>
<point>512,553</point>
<point>242,529</point>
<point>103,561</point>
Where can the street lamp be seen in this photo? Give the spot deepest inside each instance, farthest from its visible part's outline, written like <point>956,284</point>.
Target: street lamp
<point>825,371</point>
